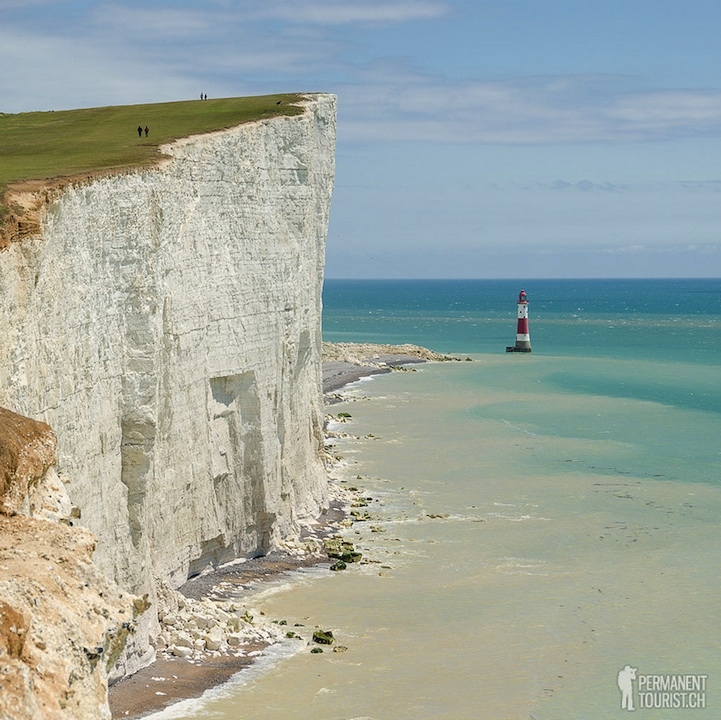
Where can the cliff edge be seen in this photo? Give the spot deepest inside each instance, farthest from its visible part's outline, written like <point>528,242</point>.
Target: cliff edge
<point>167,324</point>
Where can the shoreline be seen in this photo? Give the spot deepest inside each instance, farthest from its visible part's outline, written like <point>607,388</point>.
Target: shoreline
<point>346,363</point>
<point>170,680</point>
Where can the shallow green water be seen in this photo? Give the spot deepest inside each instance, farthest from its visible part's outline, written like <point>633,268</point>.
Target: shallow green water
<point>548,520</point>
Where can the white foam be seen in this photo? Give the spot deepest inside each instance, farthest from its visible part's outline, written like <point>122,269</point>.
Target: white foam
<point>270,657</point>
<point>516,518</point>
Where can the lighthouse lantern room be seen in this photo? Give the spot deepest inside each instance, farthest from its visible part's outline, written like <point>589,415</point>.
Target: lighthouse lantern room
<point>523,339</point>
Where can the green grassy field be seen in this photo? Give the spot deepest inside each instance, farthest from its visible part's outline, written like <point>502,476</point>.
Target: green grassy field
<point>44,145</point>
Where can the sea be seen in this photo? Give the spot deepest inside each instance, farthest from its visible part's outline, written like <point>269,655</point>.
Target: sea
<point>544,529</point>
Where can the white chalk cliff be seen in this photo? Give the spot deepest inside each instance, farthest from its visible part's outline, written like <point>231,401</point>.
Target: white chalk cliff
<point>166,323</point>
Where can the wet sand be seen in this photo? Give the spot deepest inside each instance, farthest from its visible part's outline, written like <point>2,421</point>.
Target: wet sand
<point>345,363</point>
<point>169,680</point>
<point>338,374</point>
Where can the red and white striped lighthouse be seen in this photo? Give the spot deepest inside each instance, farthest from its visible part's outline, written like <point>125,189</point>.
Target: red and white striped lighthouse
<point>523,339</point>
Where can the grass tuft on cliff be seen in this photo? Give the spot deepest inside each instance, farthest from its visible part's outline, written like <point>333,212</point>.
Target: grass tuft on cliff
<point>53,145</point>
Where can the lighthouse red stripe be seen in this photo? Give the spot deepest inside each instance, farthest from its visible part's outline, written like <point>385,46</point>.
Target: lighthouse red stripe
<point>522,326</point>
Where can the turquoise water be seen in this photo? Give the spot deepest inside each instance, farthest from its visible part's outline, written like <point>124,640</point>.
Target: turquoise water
<point>657,341</point>
<point>652,319</point>
<point>540,520</point>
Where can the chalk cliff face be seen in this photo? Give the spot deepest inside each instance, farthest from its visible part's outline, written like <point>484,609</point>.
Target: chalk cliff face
<point>166,324</point>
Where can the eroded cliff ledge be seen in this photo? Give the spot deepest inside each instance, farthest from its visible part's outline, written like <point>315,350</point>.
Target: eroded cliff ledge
<point>62,623</point>
<point>166,324</point>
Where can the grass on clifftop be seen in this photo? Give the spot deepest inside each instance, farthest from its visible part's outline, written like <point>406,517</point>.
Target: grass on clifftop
<point>62,144</point>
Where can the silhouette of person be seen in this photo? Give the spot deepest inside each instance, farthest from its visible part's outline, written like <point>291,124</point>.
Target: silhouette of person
<point>147,130</point>
<point>625,685</point>
<point>140,131</point>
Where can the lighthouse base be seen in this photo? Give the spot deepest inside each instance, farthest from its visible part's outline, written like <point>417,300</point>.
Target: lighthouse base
<point>518,348</point>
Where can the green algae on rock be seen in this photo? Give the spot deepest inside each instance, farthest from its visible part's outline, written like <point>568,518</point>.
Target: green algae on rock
<point>341,549</point>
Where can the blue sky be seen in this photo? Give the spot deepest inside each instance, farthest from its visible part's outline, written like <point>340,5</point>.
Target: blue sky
<point>476,138</point>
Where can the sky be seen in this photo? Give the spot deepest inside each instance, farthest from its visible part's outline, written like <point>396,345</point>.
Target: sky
<point>476,138</point>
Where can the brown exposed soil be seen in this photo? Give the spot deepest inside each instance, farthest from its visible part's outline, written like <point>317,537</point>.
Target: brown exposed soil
<point>55,609</point>
<point>27,449</point>
<point>61,623</point>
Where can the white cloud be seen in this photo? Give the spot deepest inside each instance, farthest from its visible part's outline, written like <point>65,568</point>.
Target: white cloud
<point>338,12</point>
<point>586,186</point>
<point>668,108</point>
<point>698,249</point>
<point>705,185</point>
<point>126,51</point>
<point>57,73</point>
<point>215,19</point>
<point>23,4</point>
<point>160,23</point>
<point>118,54</point>
<point>395,104</point>
<point>626,249</point>
<point>219,40</point>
